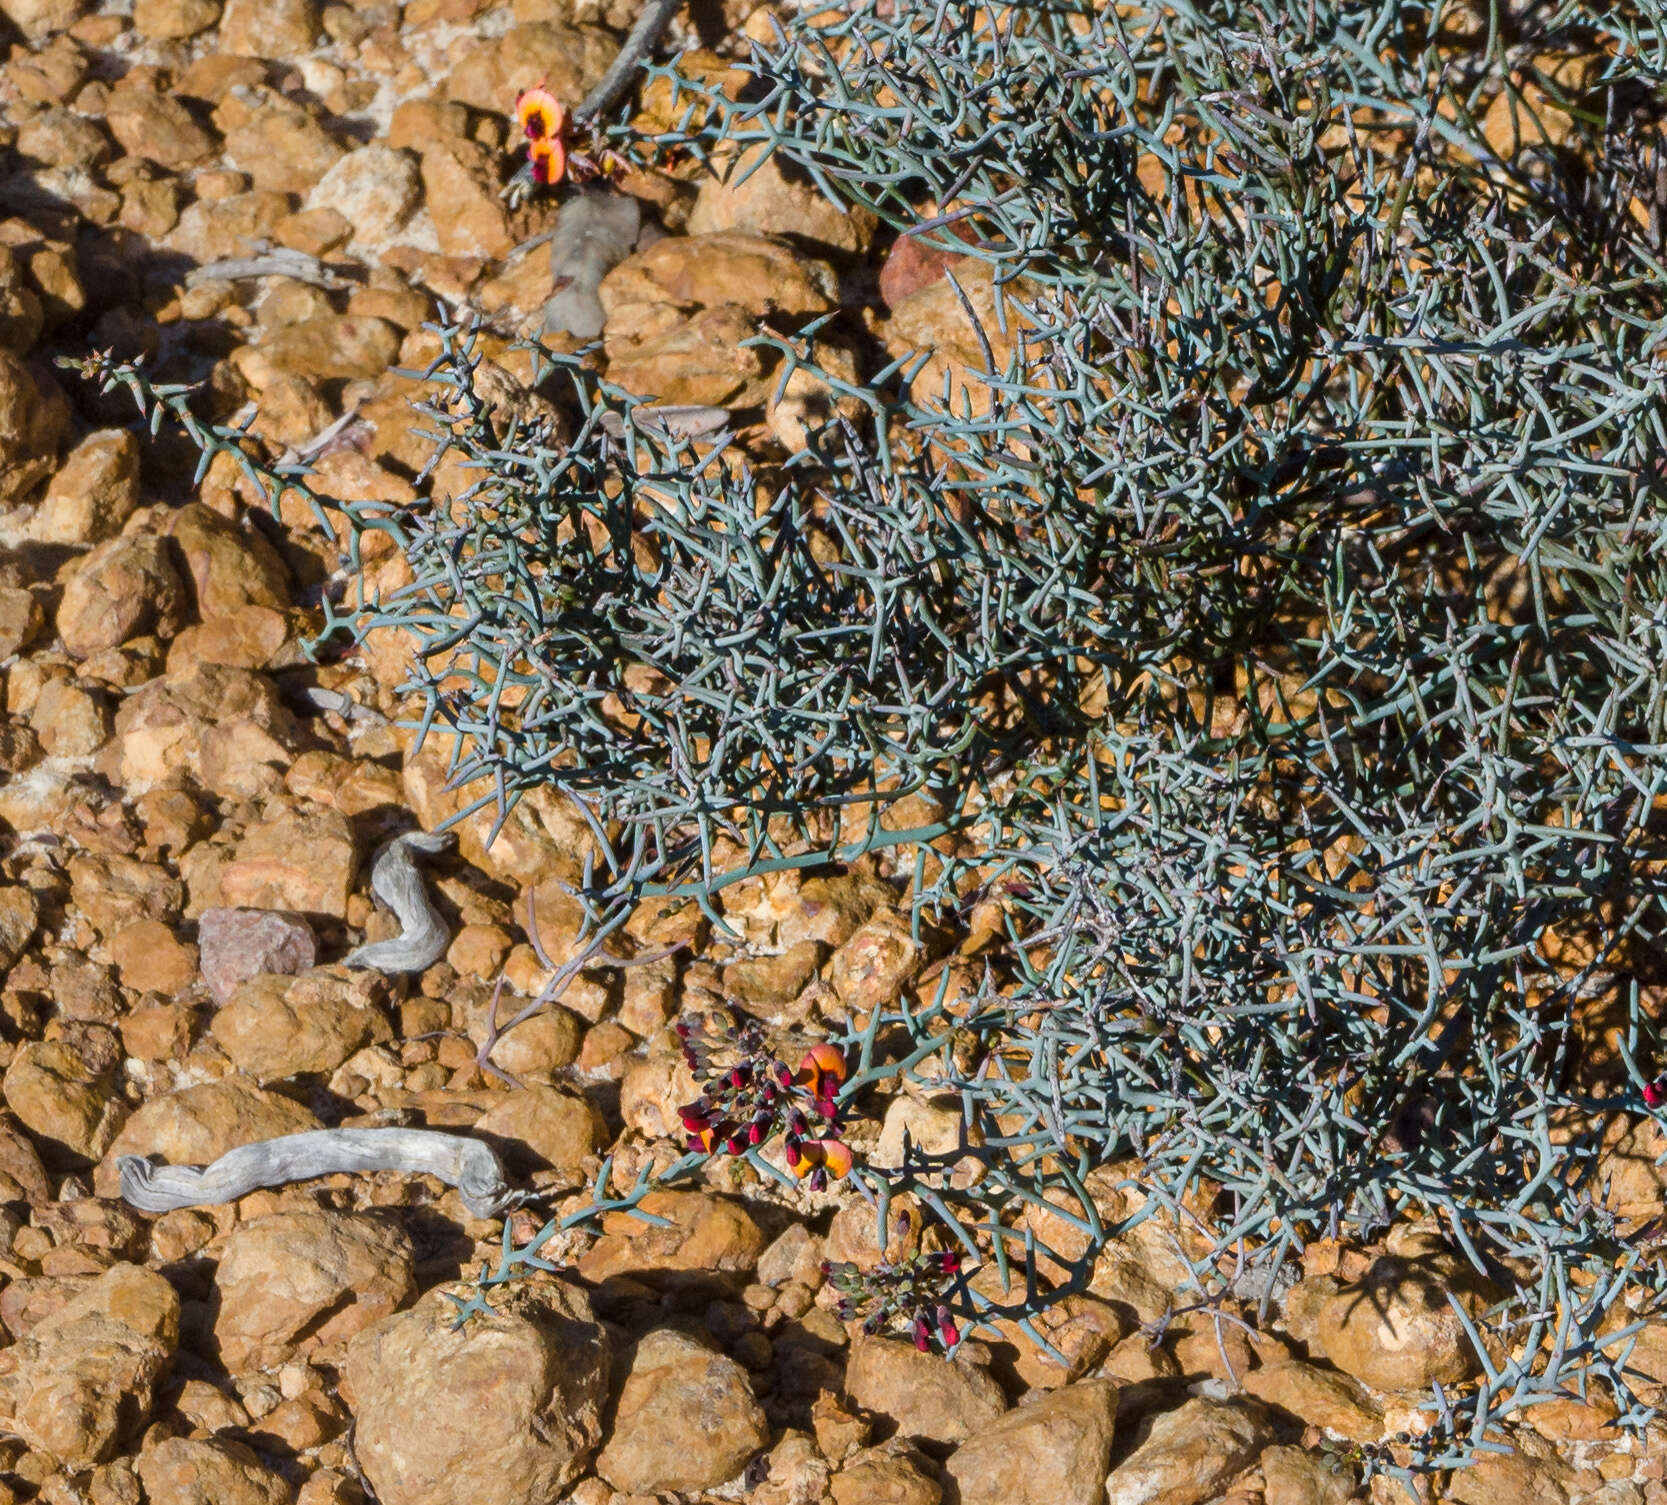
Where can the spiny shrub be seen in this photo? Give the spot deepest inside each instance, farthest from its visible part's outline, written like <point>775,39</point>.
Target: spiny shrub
<point>1278,634</point>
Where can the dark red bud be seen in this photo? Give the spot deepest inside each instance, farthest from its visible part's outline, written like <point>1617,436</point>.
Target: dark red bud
<point>923,1335</point>
<point>818,1179</point>
<point>734,1146</point>
<point>1655,1093</point>
<point>755,1135</point>
<point>783,1075</point>
<point>949,1262</point>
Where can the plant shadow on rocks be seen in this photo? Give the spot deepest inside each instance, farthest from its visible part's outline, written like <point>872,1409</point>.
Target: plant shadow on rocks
<point>1189,635</point>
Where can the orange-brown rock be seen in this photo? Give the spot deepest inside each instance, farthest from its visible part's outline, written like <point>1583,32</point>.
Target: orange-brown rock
<point>83,1381</point>
<point>341,1273</point>
<point>34,422</point>
<point>94,492</point>
<point>506,1406</point>
<point>125,588</point>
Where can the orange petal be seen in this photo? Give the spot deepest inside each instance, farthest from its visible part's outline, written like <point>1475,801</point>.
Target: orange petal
<point>540,114</point>
<point>831,1155</point>
<point>820,1062</point>
<point>549,159</point>
<point>706,1138</point>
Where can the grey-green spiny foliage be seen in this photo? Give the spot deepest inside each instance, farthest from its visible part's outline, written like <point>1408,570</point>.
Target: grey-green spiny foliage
<point>1280,639</point>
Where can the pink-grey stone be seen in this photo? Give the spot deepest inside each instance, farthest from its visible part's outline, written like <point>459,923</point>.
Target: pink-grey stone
<point>237,944</point>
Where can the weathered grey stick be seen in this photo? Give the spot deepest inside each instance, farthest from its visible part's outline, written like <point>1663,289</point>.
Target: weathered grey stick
<point>642,39</point>
<point>344,433</point>
<point>675,421</point>
<point>268,261</point>
<point>394,879</point>
<point>344,706</point>
<point>471,1165</point>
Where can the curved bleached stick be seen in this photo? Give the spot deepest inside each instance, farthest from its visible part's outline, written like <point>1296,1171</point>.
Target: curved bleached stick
<point>394,879</point>
<point>471,1165</point>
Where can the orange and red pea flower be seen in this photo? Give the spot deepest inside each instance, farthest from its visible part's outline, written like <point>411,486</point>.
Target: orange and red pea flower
<point>539,113</point>
<point>549,160</point>
<point>543,118</point>
<point>818,1160</point>
<point>823,1067</point>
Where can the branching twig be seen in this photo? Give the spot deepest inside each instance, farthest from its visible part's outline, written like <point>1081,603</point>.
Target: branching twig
<point>591,953</point>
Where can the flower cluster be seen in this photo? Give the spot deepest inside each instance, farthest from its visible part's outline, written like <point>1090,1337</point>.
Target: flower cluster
<point>552,154</point>
<point>749,1094</point>
<point>908,1295</point>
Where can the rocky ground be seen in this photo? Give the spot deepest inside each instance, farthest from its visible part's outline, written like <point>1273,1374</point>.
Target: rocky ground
<point>186,853</point>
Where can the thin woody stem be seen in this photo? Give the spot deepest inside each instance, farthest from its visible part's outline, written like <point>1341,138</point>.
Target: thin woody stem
<point>644,36</point>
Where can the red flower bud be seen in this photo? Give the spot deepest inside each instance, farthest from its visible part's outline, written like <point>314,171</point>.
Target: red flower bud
<point>949,1262</point>
<point>946,1327</point>
<point>923,1335</point>
<point>1655,1093</point>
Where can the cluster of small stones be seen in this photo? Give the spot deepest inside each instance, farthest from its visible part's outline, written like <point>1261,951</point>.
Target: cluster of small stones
<point>185,841</point>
